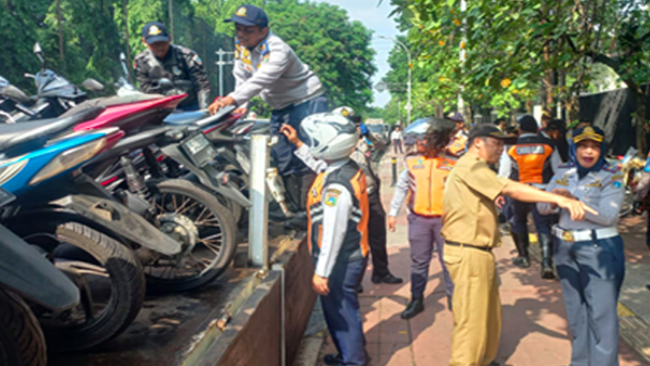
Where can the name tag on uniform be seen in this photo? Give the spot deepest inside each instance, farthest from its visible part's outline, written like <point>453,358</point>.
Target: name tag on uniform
<point>530,150</point>
<point>594,184</point>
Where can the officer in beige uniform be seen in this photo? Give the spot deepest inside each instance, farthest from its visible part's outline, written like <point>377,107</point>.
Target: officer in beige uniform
<point>470,229</point>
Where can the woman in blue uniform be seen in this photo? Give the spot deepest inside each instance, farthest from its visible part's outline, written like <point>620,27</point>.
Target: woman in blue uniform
<point>589,254</point>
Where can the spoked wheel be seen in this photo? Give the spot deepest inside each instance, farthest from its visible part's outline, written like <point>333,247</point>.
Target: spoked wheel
<point>109,277</point>
<point>206,229</point>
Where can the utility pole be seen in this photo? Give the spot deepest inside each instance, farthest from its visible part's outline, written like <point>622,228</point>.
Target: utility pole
<point>171,18</point>
<point>408,105</point>
<point>221,63</point>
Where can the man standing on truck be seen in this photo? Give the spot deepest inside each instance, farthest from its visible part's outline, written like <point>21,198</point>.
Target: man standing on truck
<point>266,66</point>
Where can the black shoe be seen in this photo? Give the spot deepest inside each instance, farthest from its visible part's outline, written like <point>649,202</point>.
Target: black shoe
<point>333,359</point>
<point>415,307</point>
<point>389,278</point>
<point>449,303</point>
<point>360,289</point>
<point>521,242</point>
<point>647,286</point>
<point>298,222</point>
<point>547,256</point>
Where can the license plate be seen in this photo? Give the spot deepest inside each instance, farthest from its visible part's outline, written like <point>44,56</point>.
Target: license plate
<point>243,161</point>
<point>199,149</point>
<point>6,197</point>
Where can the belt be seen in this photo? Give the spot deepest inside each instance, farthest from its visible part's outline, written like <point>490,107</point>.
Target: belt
<point>585,235</point>
<point>454,244</point>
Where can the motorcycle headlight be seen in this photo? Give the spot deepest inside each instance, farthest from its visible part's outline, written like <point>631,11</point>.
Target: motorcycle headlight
<point>69,159</point>
<point>10,169</point>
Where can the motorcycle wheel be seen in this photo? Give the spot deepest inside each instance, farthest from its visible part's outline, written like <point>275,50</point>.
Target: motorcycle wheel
<point>109,277</point>
<point>206,229</point>
<point>21,339</point>
<point>240,180</point>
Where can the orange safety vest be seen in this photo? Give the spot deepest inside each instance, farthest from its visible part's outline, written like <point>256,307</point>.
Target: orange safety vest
<point>457,145</point>
<point>531,158</point>
<point>427,183</point>
<point>355,244</point>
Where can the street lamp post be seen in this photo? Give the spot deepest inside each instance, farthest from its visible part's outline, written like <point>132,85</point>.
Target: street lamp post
<point>408,105</point>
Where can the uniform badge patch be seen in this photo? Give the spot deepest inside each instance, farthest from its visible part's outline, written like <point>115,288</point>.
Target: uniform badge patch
<point>154,30</point>
<point>617,184</point>
<point>241,12</point>
<point>563,182</point>
<point>331,197</point>
<point>176,70</point>
<point>594,184</point>
<point>198,60</point>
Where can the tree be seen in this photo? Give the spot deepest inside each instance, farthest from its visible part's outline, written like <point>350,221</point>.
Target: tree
<point>335,48</point>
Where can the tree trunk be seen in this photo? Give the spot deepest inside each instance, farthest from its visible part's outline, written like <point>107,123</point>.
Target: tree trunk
<point>126,35</point>
<point>58,19</point>
<point>641,121</point>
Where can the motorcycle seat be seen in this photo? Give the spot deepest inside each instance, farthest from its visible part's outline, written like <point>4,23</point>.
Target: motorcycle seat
<point>110,101</point>
<point>14,138</point>
<point>185,118</point>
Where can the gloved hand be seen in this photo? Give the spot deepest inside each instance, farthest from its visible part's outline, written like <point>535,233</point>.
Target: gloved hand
<point>363,128</point>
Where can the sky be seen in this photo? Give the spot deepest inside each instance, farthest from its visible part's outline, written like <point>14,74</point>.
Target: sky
<point>376,19</point>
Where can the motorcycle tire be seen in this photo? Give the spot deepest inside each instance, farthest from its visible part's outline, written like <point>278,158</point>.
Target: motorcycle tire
<point>127,284</point>
<point>156,282</point>
<point>21,340</point>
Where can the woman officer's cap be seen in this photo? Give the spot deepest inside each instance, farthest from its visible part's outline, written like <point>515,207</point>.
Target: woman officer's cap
<point>588,133</point>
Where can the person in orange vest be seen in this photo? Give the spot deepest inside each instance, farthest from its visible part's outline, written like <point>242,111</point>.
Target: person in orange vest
<point>422,184</point>
<point>533,161</point>
<point>458,144</point>
<point>337,212</point>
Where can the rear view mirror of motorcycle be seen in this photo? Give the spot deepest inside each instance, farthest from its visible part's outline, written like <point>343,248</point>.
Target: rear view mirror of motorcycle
<point>93,85</point>
<point>38,51</point>
<point>165,84</point>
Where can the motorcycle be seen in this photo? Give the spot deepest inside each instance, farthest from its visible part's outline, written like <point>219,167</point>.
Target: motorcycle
<point>27,276</point>
<point>42,168</point>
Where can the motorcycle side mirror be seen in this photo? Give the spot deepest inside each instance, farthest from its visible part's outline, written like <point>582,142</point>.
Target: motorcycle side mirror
<point>38,51</point>
<point>165,84</point>
<point>15,94</point>
<point>30,76</point>
<point>92,85</point>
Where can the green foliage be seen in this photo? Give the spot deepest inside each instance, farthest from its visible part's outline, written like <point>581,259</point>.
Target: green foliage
<point>94,34</point>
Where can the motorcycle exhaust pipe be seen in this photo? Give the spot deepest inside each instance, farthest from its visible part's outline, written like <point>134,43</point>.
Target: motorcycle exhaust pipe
<point>276,187</point>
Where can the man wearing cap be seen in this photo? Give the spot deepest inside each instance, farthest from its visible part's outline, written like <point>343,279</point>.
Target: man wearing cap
<point>266,66</point>
<point>459,142</point>
<point>533,161</point>
<point>176,63</point>
<point>470,229</point>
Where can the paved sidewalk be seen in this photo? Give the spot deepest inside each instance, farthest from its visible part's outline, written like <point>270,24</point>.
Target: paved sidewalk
<point>535,330</point>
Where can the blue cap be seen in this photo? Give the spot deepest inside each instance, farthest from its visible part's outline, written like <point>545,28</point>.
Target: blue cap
<point>249,15</point>
<point>153,32</point>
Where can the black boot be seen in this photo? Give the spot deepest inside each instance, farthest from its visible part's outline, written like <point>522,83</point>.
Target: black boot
<point>388,278</point>
<point>298,222</point>
<point>521,242</point>
<point>547,256</point>
<point>415,307</point>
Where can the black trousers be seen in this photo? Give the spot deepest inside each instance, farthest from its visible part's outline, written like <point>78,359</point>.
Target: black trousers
<point>377,235</point>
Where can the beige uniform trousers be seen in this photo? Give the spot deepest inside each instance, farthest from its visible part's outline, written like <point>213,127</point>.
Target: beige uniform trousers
<point>476,306</point>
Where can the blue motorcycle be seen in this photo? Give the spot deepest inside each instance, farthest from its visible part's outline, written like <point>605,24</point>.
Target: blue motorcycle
<point>36,165</point>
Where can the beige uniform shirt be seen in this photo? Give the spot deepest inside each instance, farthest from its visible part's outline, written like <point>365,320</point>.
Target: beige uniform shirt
<point>470,214</point>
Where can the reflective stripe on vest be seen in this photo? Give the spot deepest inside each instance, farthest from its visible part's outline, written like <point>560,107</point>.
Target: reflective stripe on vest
<point>355,244</point>
<point>531,162</point>
<point>427,183</point>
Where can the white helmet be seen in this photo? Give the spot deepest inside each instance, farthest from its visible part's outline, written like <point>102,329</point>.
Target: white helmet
<point>344,111</point>
<point>330,136</point>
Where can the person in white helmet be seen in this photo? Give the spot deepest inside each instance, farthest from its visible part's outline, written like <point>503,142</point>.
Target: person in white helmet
<point>377,216</point>
<point>337,211</point>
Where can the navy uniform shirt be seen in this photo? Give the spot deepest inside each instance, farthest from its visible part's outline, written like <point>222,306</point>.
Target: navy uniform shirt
<point>180,64</point>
